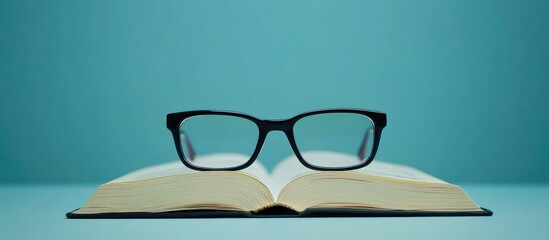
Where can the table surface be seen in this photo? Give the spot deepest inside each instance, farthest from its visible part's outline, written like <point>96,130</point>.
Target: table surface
<point>38,212</point>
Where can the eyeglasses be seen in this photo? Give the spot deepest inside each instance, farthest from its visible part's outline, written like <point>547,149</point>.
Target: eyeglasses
<point>199,134</point>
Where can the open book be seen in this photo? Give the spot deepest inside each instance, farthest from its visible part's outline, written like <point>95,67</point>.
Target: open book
<point>380,189</point>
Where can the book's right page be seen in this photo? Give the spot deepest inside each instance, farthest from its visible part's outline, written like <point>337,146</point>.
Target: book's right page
<point>420,193</point>
<point>290,168</point>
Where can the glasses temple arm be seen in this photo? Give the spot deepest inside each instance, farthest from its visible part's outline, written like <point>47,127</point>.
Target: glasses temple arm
<point>364,143</point>
<point>188,144</point>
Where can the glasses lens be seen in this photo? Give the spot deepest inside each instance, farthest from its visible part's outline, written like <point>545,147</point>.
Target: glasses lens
<point>218,141</point>
<point>335,140</point>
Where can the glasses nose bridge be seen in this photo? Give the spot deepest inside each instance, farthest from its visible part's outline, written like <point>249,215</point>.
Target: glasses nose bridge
<point>277,125</point>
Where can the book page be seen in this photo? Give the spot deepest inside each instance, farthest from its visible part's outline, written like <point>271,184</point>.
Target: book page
<point>177,167</point>
<point>290,168</point>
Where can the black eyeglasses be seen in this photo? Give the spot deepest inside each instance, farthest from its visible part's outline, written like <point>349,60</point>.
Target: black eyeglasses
<point>200,135</point>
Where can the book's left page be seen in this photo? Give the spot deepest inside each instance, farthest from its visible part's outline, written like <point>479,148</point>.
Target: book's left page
<point>173,187</point>
<point>256,170</point>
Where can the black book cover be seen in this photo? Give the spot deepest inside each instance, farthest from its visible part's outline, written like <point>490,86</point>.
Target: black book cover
<point>278,212</point>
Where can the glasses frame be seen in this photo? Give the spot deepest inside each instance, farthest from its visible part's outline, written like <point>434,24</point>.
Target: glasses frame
<point>174,120</point>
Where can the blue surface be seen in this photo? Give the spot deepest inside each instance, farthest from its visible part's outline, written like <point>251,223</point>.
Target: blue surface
<point>37,212</point>
<point>85,85</point>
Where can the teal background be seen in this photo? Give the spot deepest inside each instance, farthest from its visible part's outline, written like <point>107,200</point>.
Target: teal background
<point>85,85</point>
